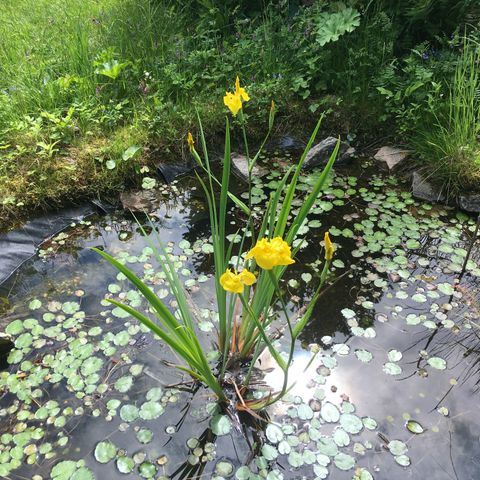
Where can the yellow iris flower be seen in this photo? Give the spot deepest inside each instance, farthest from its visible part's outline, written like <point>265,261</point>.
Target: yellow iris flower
<point>329,248</point>
<point>241,92</point>
<point>234,100</point>
<point>190,141</point>
<point>271,253</point>
<point>235,282</point>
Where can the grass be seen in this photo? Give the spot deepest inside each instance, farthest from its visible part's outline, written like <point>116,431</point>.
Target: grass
<point>84,80</point>
<point>450,147</point>
<point>61,123</point>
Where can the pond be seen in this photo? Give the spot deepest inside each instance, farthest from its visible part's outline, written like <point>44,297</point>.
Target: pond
<point>385,376</point>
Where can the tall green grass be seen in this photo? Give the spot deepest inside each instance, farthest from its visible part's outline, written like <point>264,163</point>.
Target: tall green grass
<point>48,48</point>
<point>450,144</point>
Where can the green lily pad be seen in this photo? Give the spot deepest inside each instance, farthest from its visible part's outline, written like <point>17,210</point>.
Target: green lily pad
<point>394,355</point>
<point>35,304</point>
<point>391,368</point>
<point>70,307</point>
<point>224,468</point>
<point>330,413</point>
<point>437,362</point>
<point>274,433</point>
<point>397,447</point>
<point>220,425</point>
<point>295,459</point>
<point>83,473</point>
<point>343,461</point>
<point>446,288</point>
<point>144,435</point>
<point>147,470</point>
<point>414,427</point>
<point>125,464</point>
<point>63,470</point>
<point>151,410</point>
<point>123,384</point>
<point>351,423</point>
<point>105,451</point>
<point>363,355</point>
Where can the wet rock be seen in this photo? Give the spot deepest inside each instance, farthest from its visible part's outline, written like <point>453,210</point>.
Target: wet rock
<point>424,190</point>
<point>137,200</point>
<point>391,157</point>
<point>319,155</point>
<point>285,143</point>
<point>170,171</point>
<point>469,203</point>
<point>240,167</point>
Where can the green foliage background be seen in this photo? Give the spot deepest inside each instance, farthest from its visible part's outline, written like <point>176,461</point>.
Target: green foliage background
<point>82,81</point>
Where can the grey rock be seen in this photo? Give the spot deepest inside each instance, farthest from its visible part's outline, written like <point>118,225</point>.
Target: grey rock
<point>469,203</point>
<point>240,167</point>
<point>319,155</point>
<point>392,157</point>
<point>424,190</point>
<point>137,200</point>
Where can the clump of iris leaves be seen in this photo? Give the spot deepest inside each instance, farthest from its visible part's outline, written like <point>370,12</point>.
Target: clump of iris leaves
<point>244,315</point>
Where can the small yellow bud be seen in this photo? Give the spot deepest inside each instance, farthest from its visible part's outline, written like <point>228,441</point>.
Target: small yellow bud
<point>329,248</point>
<point>191,143</point>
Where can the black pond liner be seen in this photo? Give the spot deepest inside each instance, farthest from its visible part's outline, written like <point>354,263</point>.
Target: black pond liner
<point>170,171</point>
<point>18,246</point>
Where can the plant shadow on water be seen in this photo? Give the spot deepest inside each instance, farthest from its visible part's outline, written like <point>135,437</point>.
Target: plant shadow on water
<point>390,393</point>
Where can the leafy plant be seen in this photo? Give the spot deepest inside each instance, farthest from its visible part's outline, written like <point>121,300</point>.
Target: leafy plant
<point>245,298</point>
<point>107,65</point>
<point>331,26</point>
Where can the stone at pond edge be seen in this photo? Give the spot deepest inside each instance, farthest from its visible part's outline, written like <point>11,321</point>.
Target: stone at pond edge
<point>391,157</point>
<point>320,153</point>
<point>424,190</point>
<point>469,203</point>
<point>240,167</point>
<point>137,201</point>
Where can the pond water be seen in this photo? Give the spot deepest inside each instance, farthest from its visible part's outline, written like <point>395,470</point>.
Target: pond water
<point>385,377</point>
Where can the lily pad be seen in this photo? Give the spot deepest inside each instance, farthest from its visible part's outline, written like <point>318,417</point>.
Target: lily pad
<point>343,461</point>
<point>351,423</point>
<point>330,413</point>
<point>391,368</point>
<point>274,433</point>
<point>151,410</point>
<point>414,427</point>
<point>123,384</point>
<point>125,464</point>
<point>437,362</point>
<point>220,425</point>
<point>397,447</point>
<point>105,451</point>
